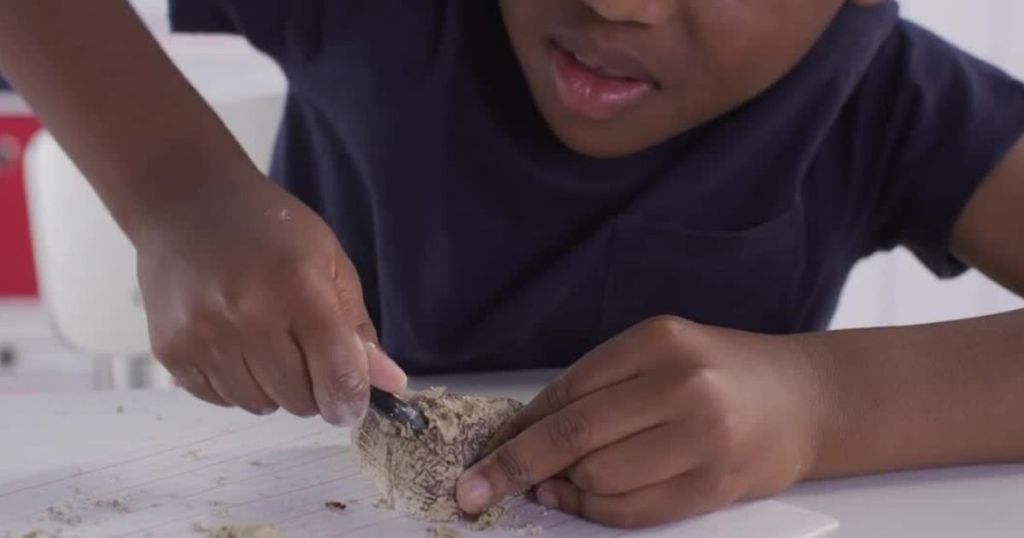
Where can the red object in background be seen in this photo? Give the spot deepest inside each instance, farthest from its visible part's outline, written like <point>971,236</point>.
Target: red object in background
<point>17,270</point>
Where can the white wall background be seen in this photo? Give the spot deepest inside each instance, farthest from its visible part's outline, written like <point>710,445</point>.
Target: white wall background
<point>154,12</point>
<point>895,288</point>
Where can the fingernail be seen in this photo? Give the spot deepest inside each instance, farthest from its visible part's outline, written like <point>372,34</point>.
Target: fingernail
<point>400,375</point>
<point>384,369</point>
<point>546,497</point>
<point>267,411</point>
<point>474,493</point>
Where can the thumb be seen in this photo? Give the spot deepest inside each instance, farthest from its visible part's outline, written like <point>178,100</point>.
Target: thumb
<point>383,371</point>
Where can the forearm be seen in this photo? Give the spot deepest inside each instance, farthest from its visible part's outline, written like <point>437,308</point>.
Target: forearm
<point>910,397</point>
<point>126,116</point>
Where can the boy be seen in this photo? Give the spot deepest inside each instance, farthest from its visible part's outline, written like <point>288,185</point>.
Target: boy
<point>664,194</point>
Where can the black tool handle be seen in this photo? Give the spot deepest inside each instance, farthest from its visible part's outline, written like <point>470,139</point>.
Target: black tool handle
<point>398,410</point>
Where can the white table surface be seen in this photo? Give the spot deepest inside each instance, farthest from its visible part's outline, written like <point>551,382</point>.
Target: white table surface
<point>42,434</point>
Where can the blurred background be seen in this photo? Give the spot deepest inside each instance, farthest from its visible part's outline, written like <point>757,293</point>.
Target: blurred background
<point>70,314</point>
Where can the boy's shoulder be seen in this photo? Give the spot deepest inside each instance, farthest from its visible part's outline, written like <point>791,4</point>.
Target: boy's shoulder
<point>283,27</point>
<point>929,56</point>
<point>931,121</point>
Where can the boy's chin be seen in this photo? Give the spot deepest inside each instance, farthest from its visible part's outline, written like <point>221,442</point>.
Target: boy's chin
<point>606,140</point>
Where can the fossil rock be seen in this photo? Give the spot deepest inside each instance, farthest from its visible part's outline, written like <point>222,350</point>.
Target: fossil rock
<point>417,473</point>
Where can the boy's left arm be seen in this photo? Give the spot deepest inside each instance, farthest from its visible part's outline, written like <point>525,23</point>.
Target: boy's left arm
<point>672,418</point>
<point>990,233</point>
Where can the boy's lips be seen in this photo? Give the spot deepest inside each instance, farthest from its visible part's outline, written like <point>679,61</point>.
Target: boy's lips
<point>598,84</point>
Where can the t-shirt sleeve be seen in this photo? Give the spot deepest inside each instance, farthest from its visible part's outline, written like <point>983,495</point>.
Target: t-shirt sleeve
<point>277,27</point>
<point>950,120</point>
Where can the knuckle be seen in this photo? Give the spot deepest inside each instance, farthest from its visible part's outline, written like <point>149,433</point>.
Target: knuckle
<point>246,305</point>
<point>345,277</point>
<point>590,475</point>
<point>569,431</point>
<point>348,292</point>
<point>709,387</point>
<point>353,312</point>
<point>557,394</point>
<point>725,434</point>
<point>349,385</point>
<point>513,468</point>
<point>366,331</point>
<point>301,407</point>
<point>671,328</point>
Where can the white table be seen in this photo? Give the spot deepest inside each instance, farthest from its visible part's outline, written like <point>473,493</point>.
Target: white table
<point>41,434</point>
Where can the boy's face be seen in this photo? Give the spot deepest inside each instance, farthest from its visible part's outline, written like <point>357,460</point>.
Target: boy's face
<point>612,77</point>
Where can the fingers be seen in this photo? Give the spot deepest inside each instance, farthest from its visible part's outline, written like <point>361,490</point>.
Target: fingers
<point>226,368</point>
<point>628,465</point>
<point>230,376</point>
<point>558,440</point>
<point>601,368</point>
<point>277,364</point>
<point>192,379</point>
<point>384,373</point>
<point>307,345</point>
<point>337,363</point>
<point>181,358</point>
<point>683,496</point>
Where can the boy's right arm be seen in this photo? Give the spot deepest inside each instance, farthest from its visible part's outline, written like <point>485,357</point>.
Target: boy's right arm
<point>251,300</point>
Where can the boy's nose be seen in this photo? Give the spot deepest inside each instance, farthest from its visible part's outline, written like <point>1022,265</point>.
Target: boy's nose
<point>649,12</point>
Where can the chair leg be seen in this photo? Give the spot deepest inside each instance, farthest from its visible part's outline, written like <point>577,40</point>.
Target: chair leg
<point>129,373</point>
<point>103,378</point>
<point>144,372</point>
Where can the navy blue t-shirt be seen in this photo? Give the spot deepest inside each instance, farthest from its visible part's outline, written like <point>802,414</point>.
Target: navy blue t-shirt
<point>484,243</point>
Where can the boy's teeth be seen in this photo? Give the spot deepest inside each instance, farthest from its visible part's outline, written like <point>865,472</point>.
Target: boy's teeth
<point>596,68</point>
<point>599,69</point>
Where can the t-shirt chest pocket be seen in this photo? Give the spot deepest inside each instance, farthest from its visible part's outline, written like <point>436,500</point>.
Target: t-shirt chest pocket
<point>741,279</point>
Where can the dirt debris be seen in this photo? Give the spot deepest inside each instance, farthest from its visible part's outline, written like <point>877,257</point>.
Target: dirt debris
<point>443,532</point>
<point>239,531</point>
<point>117,505</point>
<point>64,514</point>
<point>335,506</point>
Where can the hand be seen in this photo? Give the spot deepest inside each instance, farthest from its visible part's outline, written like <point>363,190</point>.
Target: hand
<point>667,420</point>
<point>252,302</point>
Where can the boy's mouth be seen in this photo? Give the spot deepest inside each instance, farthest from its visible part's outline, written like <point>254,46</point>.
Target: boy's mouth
<point>598,84</point>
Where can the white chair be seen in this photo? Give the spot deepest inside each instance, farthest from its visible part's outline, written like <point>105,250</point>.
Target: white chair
<point>85,264</point>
